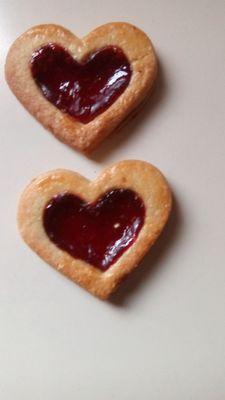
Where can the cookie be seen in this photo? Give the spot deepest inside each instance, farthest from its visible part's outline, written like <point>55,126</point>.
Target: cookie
<point>96,232</point>
<point>81,89</point>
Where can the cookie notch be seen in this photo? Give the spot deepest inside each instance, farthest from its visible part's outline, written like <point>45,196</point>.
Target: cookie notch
<point>132,41</point>
<point>141,177</point>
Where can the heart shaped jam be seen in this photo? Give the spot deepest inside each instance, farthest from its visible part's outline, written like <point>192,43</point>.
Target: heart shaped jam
<point>83,90</point>
<point>98,233</point>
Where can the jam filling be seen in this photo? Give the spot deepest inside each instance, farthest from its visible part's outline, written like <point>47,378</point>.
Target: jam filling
<point>82,89</point>
<point>98,233</point>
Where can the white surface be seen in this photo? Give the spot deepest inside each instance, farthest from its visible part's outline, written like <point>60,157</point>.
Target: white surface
<point>162,335</point>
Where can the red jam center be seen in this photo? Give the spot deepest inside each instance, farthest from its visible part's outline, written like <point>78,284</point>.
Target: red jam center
<point>83,90</point>
<point>98,233</point>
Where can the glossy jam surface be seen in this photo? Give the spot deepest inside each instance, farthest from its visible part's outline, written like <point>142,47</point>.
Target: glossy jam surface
<point>98,232</point>
<point>83,90</point>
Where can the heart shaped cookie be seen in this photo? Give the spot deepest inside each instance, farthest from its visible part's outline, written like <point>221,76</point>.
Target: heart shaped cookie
<point>96,232</point>
<point>81,89</point>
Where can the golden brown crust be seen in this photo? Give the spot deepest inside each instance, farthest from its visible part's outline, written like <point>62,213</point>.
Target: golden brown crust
<point>140,176</point>
<point>84,137</point>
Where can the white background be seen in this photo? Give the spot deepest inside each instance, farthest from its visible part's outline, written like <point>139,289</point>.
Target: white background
<point>162,335</point>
